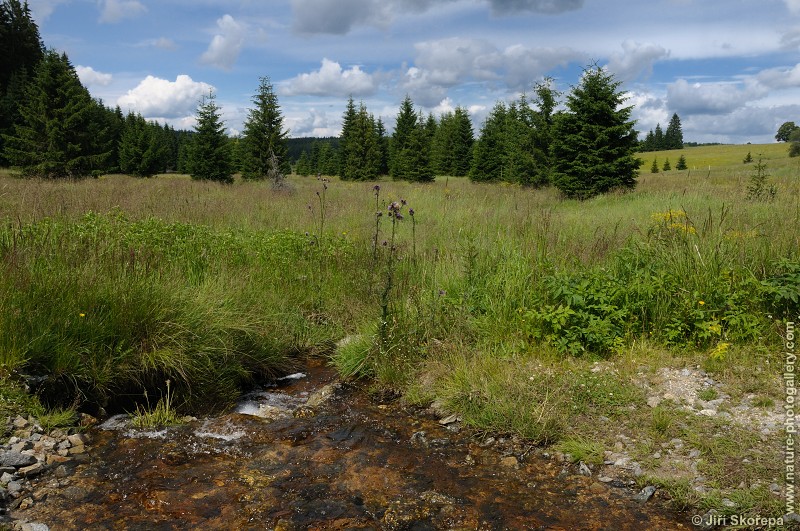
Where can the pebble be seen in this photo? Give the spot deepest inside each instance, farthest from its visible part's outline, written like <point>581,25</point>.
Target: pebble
<point>645,494</point>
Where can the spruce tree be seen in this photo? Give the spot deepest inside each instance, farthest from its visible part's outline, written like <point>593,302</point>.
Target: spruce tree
<point>58,134</point>
<point>654,166</point>
<point>442,145</point>
<point>658,139</point>
<point>347,137</point>
<point>400,164</point>
<point>594,140</point>
<point>463,138</point>
<point>489,153</point>
<point>681,165</point>
<point>22,50</point>
<point>360,152</point>
<point>667,166</point>
<point>518,162</point>
<point>383,147</point>
<point>542,122</point>
<point>264,136</point>
<point>673,138</point>
<point>209,153</point>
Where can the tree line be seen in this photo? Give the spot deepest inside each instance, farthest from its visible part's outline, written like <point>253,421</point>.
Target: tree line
<point>586,149</point>
<point>659,140</point>
<point>56,129</point>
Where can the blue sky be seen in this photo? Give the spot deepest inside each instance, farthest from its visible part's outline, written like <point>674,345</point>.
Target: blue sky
<point>729,68</point>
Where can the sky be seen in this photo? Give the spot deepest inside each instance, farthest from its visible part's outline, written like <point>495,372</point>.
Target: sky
<point>729,68</point>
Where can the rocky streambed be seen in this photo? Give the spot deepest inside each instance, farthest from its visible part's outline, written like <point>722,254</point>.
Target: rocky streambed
<point>308,453</point>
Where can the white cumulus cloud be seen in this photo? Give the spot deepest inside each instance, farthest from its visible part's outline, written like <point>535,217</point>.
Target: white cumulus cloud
<point>91,77</point>
<point>712,98</point>
<point>226,44</point>
<point>331,80</point>
<point>116,10</point>
<point>160,98</point>
<point>636,59</point>
<point>445,63</point>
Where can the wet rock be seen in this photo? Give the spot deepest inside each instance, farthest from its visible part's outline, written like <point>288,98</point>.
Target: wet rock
<point>16,459</point>
<point>32,526</point>
<point>32,470</point>
<point>26,503</point>
<point>57,459</point>
<point>78,449</point>
<point>584,470</point>
<point>14,487</point>
<point>318,398</point>
<point>645,494</point>
<point>77,439</point>
<point>450,419</point>
<point>418,437</point>
<point>510,462</point>
<point>61,471</point>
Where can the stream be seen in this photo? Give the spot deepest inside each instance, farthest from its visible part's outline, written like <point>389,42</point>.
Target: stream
<point>309,453</point>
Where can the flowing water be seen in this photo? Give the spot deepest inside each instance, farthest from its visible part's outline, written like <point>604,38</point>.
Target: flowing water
<point>309,454</point>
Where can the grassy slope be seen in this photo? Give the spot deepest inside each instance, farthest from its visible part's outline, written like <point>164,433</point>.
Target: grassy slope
<point>470,279</point>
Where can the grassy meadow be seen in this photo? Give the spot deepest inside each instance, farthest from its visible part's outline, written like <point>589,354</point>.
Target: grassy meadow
<point>497,302</point>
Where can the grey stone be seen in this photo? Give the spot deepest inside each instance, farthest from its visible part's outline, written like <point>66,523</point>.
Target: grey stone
<point>16,459</point>
<point>584,470</point>
<point>645,494</point>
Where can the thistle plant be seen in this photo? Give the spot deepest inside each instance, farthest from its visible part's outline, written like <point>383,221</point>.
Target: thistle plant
<point>395,216</point>
<point>378,214</point>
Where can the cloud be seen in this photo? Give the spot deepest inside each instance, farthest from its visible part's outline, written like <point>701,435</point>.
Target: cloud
<point>445,63</point>
<point>226,44</point>
<point>156,97</point>
<point>41,9</point>
<point>549,7</point>
<point>793,5</point>
<point>331,80</point>
<point>636,59</point>
<point>162,42</point>
<point>780,78</point>
<point>712,98</point>
<point>314,123</point>
<point>756,124</point>
<point>91,77</point>
<point>338,17</point>
<point>116,10</point>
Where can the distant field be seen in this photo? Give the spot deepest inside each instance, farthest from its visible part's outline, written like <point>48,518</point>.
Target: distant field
<point>727,156</point>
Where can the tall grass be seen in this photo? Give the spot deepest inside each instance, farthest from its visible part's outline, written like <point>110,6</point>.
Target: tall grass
<point>113,286</point>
